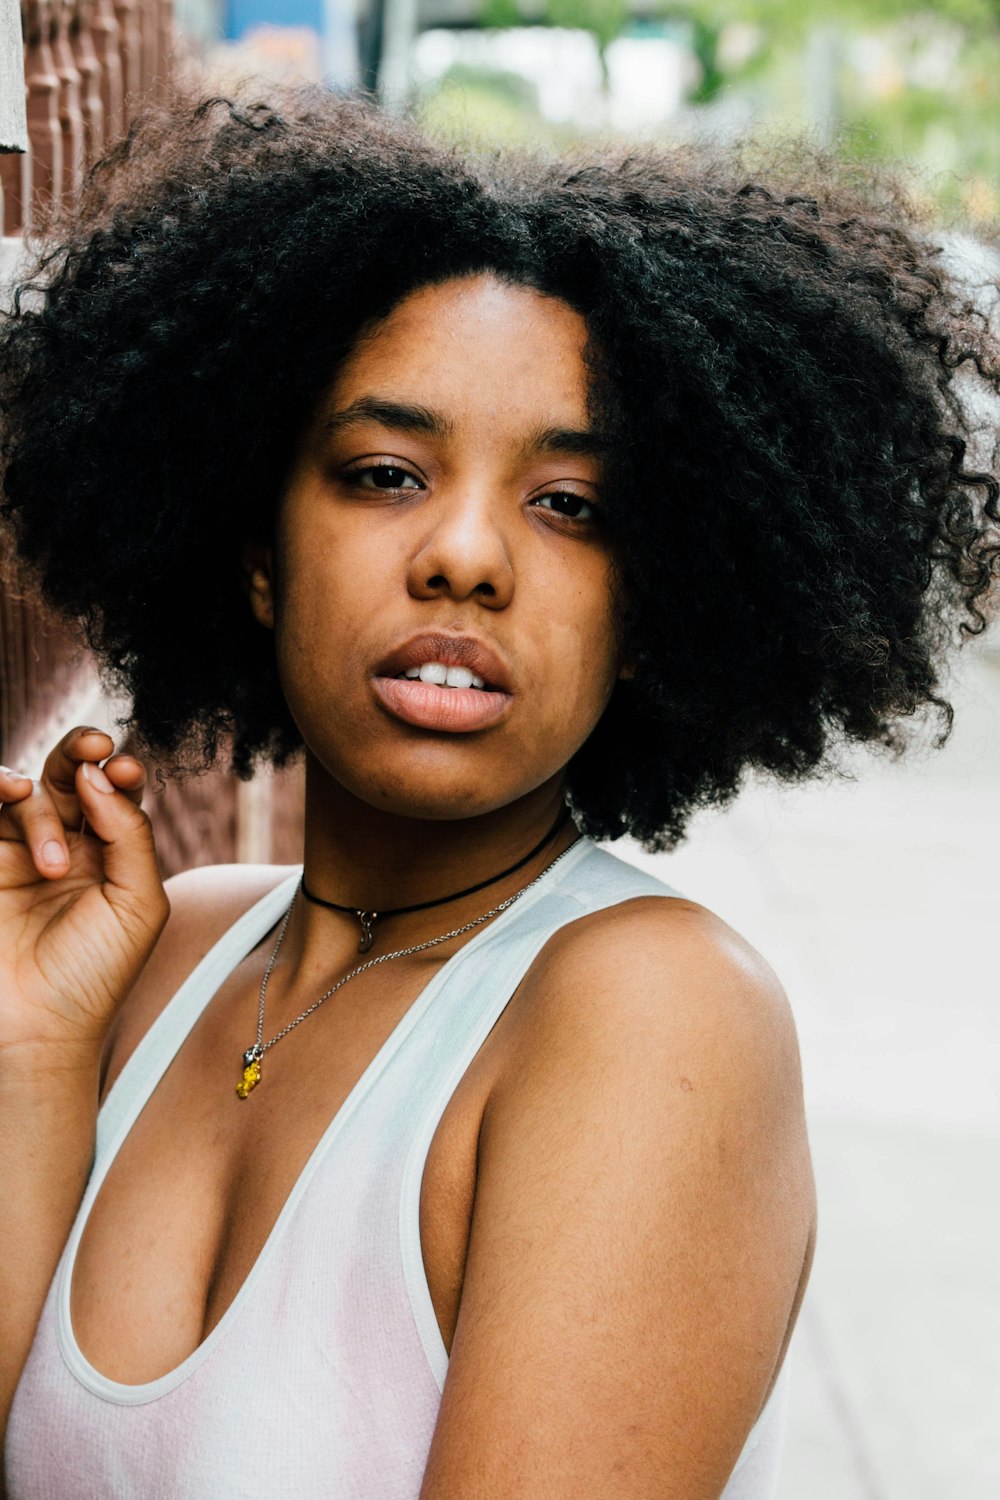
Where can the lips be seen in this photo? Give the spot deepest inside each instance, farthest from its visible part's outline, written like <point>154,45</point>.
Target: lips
<point>450,651</point>
<point>453,710</point>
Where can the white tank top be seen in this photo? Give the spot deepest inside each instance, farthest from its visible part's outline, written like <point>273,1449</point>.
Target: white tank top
<point>323,1378</point>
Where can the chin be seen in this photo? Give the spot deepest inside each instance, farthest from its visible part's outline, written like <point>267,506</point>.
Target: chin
<point>441,778</point>
<point>437,795</point>
<point>428,808</point>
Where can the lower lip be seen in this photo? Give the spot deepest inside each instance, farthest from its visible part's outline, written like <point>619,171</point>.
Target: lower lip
<point>455,710</point>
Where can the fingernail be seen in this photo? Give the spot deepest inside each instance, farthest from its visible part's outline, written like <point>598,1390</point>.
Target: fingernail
<point>96,777</point>
<point>52,853</point>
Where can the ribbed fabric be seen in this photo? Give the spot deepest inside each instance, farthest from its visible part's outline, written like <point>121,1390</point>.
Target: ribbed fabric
<point>323,1379</point>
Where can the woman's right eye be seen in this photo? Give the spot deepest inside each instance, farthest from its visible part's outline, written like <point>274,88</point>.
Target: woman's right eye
<point>382,477</point>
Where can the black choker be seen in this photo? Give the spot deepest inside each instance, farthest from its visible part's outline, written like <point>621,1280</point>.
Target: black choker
<point>366,918</point>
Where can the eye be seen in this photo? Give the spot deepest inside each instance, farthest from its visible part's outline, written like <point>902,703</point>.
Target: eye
<point>384,477</point>
<point>566,503</point>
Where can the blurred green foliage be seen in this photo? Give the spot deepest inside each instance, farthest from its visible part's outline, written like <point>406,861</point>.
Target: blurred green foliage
<point>892,82</point>
<point>483,106</point>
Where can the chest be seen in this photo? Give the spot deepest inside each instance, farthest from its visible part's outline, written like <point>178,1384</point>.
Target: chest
<point>202,1177</point>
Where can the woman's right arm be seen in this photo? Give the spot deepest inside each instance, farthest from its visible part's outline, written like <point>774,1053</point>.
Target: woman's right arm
<point>75,934</point>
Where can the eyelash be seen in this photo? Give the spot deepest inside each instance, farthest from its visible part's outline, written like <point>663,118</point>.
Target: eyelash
<point>355,477</point>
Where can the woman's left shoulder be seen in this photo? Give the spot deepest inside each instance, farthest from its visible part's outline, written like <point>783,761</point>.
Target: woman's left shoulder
<point>659,969</point>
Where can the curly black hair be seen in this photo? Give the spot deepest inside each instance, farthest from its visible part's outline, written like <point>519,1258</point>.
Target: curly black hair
<point>799,535</point>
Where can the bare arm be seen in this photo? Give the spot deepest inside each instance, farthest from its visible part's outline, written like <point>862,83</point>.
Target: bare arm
<point>642,1223</point>
<point>47,1118</point>
<point>74,936</point>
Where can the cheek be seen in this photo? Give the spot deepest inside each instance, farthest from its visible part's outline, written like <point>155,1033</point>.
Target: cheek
<point>582,652</point>
<point>323,604</point>
<point>334,575</point>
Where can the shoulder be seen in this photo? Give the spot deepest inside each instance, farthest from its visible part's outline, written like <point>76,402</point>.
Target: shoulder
<point>658,976</point>
<point>204,903</point>
<point>657,1017</point>
<point>643,1217</point>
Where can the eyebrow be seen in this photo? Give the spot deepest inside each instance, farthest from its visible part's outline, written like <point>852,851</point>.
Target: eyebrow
<point>393,414</point>
<point>403,417</point>
<point>581,443</point>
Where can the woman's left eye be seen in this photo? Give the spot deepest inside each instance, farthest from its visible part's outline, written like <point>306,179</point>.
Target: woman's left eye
<point>565,503</point>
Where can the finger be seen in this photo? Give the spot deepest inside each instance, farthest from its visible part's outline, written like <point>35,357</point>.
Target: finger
<point>132,881</point>
<point>82,743</point>
<point>14,788</point>
<point>13,784</point>
<point>30,817</point>
<point>128,774</point>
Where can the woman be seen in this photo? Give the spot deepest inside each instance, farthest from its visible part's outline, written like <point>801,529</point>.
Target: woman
<point>464,1160</point>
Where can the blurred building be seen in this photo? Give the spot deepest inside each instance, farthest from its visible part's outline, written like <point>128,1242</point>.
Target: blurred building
<point>312,41</point>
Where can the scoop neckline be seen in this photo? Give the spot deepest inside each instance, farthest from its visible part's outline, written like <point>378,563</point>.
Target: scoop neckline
<point>123,1393</point>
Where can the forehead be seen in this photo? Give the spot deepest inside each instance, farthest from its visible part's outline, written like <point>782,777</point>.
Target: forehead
<point>479,350</point>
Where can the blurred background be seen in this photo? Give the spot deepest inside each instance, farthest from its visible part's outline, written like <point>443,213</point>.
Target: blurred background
<point>875,897</point>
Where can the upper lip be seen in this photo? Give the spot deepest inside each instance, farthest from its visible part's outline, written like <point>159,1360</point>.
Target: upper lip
<point>451,651</point>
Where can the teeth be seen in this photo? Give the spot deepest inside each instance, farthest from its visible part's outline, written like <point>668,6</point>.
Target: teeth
<point>441,676</point>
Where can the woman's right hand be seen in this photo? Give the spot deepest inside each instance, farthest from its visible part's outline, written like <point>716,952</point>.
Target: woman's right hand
<point>81,904</point>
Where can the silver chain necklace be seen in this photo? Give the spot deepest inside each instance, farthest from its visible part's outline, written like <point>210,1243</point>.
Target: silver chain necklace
<point>253,1056</point>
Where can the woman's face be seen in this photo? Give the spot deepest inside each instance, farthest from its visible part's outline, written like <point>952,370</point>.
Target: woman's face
<point>443,511</point>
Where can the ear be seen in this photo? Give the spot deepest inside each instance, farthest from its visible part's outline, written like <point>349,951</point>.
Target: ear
<point>257,574</point>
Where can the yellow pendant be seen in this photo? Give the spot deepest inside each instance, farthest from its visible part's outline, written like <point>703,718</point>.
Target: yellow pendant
<point>251,1072</point>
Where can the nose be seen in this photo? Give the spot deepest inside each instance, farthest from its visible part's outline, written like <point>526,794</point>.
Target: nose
<point>464,554</point>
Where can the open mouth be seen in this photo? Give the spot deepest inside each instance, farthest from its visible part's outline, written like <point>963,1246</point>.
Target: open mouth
<point>436,674</point>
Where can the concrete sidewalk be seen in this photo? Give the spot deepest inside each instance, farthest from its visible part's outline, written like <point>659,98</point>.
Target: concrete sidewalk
<point>878,903</point>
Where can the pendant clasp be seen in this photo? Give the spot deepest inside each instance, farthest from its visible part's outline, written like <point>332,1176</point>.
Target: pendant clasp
<point>366,918</point>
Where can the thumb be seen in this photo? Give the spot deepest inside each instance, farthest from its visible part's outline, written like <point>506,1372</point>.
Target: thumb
<point>132,883</point>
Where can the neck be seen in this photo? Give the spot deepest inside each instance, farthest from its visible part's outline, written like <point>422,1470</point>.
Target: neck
<point>364,856</point>
<point>374,860</point>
